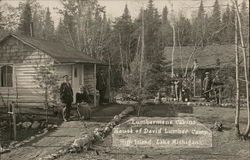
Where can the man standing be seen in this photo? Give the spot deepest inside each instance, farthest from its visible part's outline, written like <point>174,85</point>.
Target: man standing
<point>178,87</point>
<point>207,83</point>
<point>66,96</point>
<point>101,85</point>
<point>217,87</point>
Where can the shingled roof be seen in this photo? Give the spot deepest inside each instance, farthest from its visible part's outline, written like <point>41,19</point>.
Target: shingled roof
<point>206,56</point>
<point>60,52</point>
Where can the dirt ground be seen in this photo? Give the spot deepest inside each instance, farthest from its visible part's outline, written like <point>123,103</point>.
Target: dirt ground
<point>225,145</point>
<point>64,135</point>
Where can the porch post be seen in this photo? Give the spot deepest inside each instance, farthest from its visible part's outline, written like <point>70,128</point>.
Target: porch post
<point>95,103</point>
<point>194,84</point>
<point>83,75</point>
<point>109,81</point>
<point>72,80</point>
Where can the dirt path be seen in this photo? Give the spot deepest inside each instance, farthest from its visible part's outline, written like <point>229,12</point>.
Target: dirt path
<point>52,142</point>
<point>63,136</point>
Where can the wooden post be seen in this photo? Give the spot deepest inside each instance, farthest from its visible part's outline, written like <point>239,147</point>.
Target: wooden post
<point>73,81</point>
<point>82,74</point>
<point>14,120</point>
<point>95,103</point>
<point>194,84</point>
<point>109,80</point>
<point>11,111</point>
<point>46,105</point>
<point>220,96</point>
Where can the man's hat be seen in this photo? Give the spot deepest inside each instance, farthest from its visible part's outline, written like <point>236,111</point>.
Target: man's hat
<point>65,76</point>
<point>207,73</point>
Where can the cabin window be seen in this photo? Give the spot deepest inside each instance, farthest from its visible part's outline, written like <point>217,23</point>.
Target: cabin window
<point>75,72</point>
<point>6,76</point>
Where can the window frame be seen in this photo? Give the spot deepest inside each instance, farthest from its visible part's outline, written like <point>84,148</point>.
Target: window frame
<point>75,72</point>
<point>13,82</point>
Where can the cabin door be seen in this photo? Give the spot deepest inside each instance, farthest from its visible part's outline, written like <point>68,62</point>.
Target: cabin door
<point>76,78</point>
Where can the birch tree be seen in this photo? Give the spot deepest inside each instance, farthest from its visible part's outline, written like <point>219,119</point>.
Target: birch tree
<point>243,48</point>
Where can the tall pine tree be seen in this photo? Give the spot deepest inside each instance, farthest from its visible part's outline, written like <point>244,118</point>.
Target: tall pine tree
<point>215,25</point>
<point>152,23</point>
<point>60,32</point>
<point>26,21</point>
<point>37,25</point>
<point>244,12</point>
<point>48,32</point>
<point>166,32</point>
<point>183,27</point>
<point>123,29</point>
<point>199,31</point>
<point>228,22</point>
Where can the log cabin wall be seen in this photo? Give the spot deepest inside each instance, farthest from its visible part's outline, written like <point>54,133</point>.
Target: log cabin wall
<point>24,60</point>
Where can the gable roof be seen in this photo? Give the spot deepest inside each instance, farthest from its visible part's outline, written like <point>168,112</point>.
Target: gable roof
<point>60,52</point>
<point>206,56</point>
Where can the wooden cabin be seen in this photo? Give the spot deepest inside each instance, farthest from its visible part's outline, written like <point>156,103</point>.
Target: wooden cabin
<point>19,58</point>
<point>210,58</point>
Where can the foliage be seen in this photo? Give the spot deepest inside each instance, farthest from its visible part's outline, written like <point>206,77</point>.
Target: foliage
<point>157,75</point>
<point>166,32</point>
<point>28,15</point>
<point>10,17</point>
<point>48,32</point>
<point>37,25</point>
<point>183,26</point>
<point>85,26</point>
<point>26,21</point>
<point>152,23</point>
<point>199,29</point>
<point>132,80</point>
<point>48,80</point>
<point>123,27</point>
<point>244,12</point>
<point>228,21</point>
<point>215,22</point>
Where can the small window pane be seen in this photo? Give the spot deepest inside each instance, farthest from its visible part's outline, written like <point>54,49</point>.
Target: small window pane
<point>6,76</point>
<point>75,72</point>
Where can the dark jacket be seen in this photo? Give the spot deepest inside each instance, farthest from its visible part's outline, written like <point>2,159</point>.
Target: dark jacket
<point>207,84</point>
<point>82,97</point>
<point>66,93</point>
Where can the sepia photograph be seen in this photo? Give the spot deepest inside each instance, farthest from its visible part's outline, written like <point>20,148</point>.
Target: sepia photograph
<point>124,80</point>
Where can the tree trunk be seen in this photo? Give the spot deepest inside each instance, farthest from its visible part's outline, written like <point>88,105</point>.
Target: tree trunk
<point>141,65</point>
<point>179,43</point>
<point>245,68</point>
<point>46,104</point>
<point>142,49</point>
<point>120,46</point>
<point>138,46</point>
<point>189,59</point>
<point>109,78</point>
<point>172,64</point>
<point>237,109</point>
